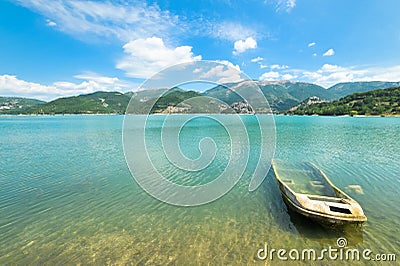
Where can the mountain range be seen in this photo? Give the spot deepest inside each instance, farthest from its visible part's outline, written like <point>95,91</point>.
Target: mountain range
<point>343,89</point>
<point>281,95</point>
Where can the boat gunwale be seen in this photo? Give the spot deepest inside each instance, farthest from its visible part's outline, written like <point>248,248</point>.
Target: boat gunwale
<point>333,219</point>
<point>335,188</point>
<point>321,216</point>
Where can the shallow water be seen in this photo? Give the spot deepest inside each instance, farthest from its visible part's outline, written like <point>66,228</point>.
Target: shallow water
<point>303,177</point>
<point>67,196</point>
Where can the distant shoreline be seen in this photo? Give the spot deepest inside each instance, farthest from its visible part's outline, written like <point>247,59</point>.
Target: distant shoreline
<point>383,115</point>
<point>116,114</point>
<point>32,115</point>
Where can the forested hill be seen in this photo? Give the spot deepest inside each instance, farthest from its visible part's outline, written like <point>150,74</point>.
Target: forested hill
<point>18,105</point>
<point>376,102</point>
<point>296,97</point>
<point>94,103</point>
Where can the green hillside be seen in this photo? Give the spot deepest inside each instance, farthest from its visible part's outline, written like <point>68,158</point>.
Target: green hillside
<point>17,105</point>
<point>281,95</point>
<point>223,93</point>
<point>170,99</point>
<point>145,95</point>
<point>346,88</point>
<point>94,103</point>
<point>376,102</point>
<point>303,90</point>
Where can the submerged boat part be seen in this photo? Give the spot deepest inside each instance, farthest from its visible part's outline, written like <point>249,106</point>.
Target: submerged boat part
<point>308,191</point>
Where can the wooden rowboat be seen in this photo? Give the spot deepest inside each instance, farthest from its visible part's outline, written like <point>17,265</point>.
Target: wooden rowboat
<point>308,191</point>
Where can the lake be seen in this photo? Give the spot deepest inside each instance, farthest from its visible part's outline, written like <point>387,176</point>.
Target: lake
<point>68,197</point>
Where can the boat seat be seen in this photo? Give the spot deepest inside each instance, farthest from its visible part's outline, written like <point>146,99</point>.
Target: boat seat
<point>288,181</point>
<point>317,183</point>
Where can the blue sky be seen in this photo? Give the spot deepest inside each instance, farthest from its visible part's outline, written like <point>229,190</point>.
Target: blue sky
<point>57,48</point>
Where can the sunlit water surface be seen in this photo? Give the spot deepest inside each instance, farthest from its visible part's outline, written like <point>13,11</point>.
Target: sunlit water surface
<point>67,196</point>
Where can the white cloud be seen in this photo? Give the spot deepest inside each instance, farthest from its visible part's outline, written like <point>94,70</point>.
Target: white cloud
<point>271,75</point>
<point>330,68</point>
<point>230,31</point>
<point>88,19</point>
<point>314,54</point>
<point>257,59</point>
<point>197,70</point>
<point>288,76</point>
<point>282,5</point>
<point>385,74</point>
<point>107,83</point>
<point>97,78</point>
<point>145,57</point>
<point>10,85</point>
<point>276,66</point>
<point>130,20</point>
<point>50,23</point>
<point>326,76</point>
<point>229,64</point>
<point>289,4</point>
<point>224,73</point>
<point>329,75</point>
<point>311,44</point>
<point>330,52</point>
<point>241,46</point>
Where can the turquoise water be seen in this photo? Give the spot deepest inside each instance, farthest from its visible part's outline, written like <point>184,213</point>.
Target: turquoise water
<point>67,196</point>
<point>302,177</point>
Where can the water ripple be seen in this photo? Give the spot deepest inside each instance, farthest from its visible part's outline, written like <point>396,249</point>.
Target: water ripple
<point>67,197</point>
